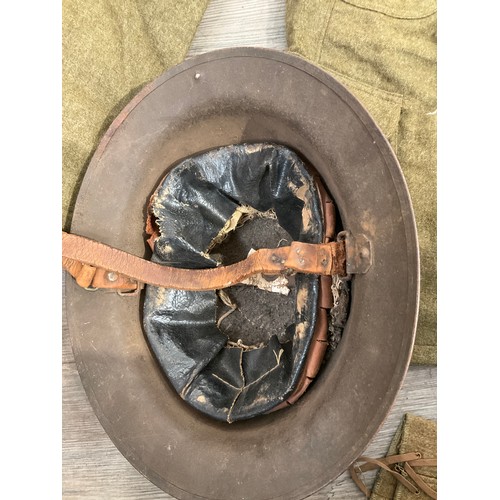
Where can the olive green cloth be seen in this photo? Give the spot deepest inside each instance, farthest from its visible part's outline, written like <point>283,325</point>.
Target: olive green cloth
<point>111,48</point>
<point>415,434</point>
<point>384,52</point>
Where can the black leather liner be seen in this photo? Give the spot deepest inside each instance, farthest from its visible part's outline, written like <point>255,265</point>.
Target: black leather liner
<point>191,206</point>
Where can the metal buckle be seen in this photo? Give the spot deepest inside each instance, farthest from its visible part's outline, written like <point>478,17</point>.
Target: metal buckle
<point>358,252</point>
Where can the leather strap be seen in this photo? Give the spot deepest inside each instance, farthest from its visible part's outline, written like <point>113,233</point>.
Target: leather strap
<point>403,467</point>
<point>113,265</point>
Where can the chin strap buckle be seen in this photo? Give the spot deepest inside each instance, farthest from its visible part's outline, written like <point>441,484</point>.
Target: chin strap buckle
<point>96,265</point>
<point>358,252</point>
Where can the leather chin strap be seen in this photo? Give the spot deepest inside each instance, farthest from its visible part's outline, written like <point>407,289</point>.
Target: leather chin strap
<point>403,468</point>
<point>97,265</point>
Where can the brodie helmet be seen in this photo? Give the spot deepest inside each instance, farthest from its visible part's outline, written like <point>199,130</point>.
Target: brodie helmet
<point>205,336</point>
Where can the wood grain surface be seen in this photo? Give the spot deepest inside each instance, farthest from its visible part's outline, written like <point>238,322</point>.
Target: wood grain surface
<point>92,466</point>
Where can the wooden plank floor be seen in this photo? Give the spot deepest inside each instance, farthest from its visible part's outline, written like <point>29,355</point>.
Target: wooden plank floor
<point>92,466</point>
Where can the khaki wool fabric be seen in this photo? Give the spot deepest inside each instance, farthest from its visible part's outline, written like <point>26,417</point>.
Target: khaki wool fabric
<point>415,434</point>
<point>384,52</point>
<point>111,49</point>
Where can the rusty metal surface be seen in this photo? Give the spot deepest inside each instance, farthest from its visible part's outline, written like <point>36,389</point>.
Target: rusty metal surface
<point>358,252</point>
<point>247,95</point>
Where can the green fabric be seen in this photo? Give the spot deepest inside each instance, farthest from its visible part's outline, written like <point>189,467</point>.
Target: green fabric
<point>111,48</point>
<point>384,52</point>
<point>415,434</point>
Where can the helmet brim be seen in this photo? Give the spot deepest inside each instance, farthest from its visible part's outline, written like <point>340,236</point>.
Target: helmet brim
<point>228,97</point>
